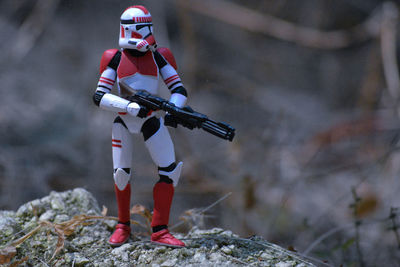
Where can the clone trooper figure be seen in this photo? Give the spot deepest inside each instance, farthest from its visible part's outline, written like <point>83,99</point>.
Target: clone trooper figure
<point>139,64</point>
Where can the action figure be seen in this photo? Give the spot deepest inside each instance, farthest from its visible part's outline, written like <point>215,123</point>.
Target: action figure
<point>136,68</point>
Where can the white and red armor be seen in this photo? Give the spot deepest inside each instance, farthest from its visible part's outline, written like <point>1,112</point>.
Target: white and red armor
<point>139,67</point>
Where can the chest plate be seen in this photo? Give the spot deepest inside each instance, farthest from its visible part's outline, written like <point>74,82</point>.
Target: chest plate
<point>139,72</point>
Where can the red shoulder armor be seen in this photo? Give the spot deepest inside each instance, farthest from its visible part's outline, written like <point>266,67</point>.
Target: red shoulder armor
<point>167,54</point>
<point>106,58</point>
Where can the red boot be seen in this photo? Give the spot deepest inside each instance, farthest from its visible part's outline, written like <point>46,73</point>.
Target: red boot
<point>120,235</point>
<point>164,238</point>
<point>122,230</point>
<point>162,195</point>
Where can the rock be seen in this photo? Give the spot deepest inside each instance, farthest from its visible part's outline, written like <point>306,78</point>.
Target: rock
<point>228,249</point>
<point>122,252</point>
<point>47,216</point>
<point>86,244</point>
<point>169,263</point>
<point>80,261</point>
<point>8,225</point>
<point>285,264</point>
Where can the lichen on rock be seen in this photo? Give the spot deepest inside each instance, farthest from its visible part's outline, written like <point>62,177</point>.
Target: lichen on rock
<point>86,244</point>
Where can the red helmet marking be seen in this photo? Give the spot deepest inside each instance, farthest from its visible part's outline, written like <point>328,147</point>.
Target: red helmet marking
<point>122,32</point>
<point>139,7</point>
<point>142,8</point>
<point>136,35</point>
<point>142,19</point>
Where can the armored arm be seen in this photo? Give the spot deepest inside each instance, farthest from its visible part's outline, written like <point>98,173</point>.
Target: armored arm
<point>102,96</point>
<point>168,69</point>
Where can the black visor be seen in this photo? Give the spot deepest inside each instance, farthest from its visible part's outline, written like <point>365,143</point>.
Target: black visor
<point>127,21</point>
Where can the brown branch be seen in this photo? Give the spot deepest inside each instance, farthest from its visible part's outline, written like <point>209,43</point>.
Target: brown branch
<point>388,50</point>
<point>190,62</point>
<point>254,21</point>
<point>32,27</point>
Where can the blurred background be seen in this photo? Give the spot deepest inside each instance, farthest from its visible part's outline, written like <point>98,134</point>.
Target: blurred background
<point>312,88</point>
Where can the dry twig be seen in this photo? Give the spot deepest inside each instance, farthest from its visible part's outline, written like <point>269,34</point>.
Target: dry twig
<point>254,21</point>
<point>357,223</point>
<point>145,213</point>
<point>395,227</point>
<point>32,27</point>
<point>200,212</point>
<point>62,229</point>
<point>388,50</point>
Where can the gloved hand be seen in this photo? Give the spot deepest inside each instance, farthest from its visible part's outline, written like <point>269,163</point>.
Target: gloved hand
<point>188,124</point>
<point>170,120</point>
<point>140,111</point>
<point>144,112</point>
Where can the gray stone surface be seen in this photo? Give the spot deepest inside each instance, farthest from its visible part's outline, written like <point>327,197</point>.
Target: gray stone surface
<point>87,244</point>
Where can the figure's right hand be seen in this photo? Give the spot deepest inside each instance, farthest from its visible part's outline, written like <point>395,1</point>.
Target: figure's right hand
<point>144,112</point>
<point>135,109</point>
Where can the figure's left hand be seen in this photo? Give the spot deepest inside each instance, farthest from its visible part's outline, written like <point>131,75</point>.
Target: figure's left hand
<point>170,120</point>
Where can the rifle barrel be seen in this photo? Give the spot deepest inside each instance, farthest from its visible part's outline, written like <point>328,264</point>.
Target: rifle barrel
<point>224,132</point>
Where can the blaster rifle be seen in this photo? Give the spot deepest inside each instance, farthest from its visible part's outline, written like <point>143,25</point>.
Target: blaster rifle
<point>186,116</point>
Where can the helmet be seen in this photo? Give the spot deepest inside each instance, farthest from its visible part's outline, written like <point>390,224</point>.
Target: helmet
<point>136,30</point>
